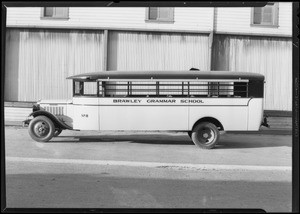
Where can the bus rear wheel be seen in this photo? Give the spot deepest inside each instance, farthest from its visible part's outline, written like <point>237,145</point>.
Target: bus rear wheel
<point>41,129</point>
<point>205,135</point>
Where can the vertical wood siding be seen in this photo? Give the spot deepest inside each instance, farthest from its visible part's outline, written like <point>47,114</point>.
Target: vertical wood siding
<point>271,57</point>
<point>38,61</point>
<point>157,51</point>
<point>46,58</point>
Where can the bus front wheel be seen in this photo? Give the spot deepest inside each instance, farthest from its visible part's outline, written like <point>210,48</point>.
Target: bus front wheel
<point>205,135</point>
<point>41,129</point>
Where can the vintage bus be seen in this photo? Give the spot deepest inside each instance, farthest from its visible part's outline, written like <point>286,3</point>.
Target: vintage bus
<point>201,103</point>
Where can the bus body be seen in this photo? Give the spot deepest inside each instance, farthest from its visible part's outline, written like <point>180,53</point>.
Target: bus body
<point>200,103</point>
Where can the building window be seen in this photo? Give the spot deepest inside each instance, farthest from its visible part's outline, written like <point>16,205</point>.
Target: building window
<point>265,16</point>
<point>160,14</point>
<point>55,12</point>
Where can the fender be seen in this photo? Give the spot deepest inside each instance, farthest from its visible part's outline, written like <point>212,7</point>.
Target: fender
<point>55,120</point>
<point>210,119</point>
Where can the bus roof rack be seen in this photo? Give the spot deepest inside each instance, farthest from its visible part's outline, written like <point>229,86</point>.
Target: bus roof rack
<point>160,75</point>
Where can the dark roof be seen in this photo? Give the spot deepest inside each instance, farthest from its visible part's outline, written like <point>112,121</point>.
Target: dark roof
<point>167,75</point>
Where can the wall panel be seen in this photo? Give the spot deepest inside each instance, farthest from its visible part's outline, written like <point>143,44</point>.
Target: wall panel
<point>11,75</point>
<point>47,58</point>
<point>157,51</point>
<point>271,57</point>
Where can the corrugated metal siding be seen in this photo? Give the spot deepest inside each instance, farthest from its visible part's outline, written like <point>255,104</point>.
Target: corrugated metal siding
<point>157,51</point>
<point>238,20</point>
<point>46,58</point>
<point>271,57</point>
<point>194,19</point>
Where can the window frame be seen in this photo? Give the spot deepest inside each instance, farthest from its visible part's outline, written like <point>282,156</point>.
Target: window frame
<point>81,92</point>
<point>275,17</point>
<point>55,17</point>
<point>170,20</point>
<point>182,88</point>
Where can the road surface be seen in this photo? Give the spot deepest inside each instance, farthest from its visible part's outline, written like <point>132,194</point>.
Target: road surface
<point>89,169</point>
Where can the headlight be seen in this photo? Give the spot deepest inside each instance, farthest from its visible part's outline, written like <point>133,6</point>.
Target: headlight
<point>35,107</point>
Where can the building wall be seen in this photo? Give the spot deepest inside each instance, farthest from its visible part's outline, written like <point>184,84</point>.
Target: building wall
<point>39,60</point>
<point>271,57</point>
<point>238,20</point>
<point>226,19</point>
<point>157,51</point>
<point>45,58</point>
<point>192,19</point>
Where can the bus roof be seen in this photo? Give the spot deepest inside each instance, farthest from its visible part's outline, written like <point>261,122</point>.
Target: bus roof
<point>148,75</point>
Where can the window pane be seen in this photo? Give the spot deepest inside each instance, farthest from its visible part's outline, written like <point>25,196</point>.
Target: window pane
<point>268,14</point>
<point>48,11</point>
<point>198,88</point>
<point>164,13</point>
<point>257,15</point>
<point>143,88</point>
<point>267,18</point>
<point>226,88</point>
<point>61,12</point>
<point>153,13</point>
<point>90,88</point>
<point>117,88</point>
<point>170,88</point>
<point>268,9</point>
<point>78,88</point>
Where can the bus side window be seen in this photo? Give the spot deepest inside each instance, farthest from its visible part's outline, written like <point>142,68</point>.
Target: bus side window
<point>90,88</point>
<point>240,89</point>
<point>256,88</point>
<point>78,88</point>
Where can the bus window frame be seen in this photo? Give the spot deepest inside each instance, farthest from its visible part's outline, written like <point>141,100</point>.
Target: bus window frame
<point>82,86</point>
<point>253,88</point>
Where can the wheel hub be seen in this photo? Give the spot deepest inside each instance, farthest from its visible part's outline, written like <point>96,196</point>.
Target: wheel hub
<point>206,135</point>
<point>41,129</point>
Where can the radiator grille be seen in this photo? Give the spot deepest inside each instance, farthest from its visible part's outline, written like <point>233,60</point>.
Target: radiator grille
<point>56,110</point>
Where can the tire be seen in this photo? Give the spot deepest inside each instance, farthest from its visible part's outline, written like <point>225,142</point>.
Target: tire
<point>57,132</point>
<point>41,129</point>
<point>190,134</point>
<point>205,135</point>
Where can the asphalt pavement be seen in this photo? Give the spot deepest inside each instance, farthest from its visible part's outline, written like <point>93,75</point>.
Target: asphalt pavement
<point>91,169</point>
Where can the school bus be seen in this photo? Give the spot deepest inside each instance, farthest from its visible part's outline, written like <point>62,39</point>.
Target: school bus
<point>201,103</point>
